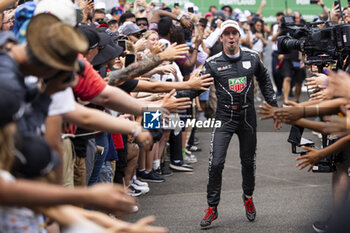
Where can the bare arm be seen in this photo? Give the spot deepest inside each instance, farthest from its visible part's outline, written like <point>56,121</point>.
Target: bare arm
<point>291,114</point>
<point>53,128</point>
<point>134,70</point>
<point>173,52</point>
<point>194,83</point>
<point>103,196</point>
<point>189,64</point>
<point>317,126</point>
<point>262,5</point>
<point>89,118</point>
<point>6,3</point>
<point>160,13</point>
<point>116,99</point>
<point>274,36</point>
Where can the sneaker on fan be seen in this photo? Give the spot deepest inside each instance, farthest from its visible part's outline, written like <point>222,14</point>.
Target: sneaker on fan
<point>194,148</point>
<point>143,189</point>
<point>190,158</point>
<point>134,192</point>
<point>181,167</point>
<point>152,177</point>
<point>139,182</point>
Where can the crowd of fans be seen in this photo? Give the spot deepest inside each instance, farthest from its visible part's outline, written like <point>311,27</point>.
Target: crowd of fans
<point>75,79</point>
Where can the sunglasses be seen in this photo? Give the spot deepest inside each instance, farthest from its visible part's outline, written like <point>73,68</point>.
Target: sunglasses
<point>99,20</point>
<point>142,24</point>
<point>137,35</point>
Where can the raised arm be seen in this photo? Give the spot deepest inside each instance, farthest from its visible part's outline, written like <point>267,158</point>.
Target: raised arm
<point>172,53</point>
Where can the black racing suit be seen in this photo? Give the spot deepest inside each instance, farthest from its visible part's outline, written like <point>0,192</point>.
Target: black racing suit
<point>234,84</point>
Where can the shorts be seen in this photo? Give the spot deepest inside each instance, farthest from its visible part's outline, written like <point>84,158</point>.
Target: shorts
<point>291,69</point>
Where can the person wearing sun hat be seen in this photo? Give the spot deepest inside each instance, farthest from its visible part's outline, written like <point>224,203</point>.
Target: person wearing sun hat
<point>51,47</point>
<point>54,43</point>
<point>233,70</point>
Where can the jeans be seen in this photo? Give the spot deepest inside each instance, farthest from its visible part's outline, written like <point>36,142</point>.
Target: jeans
<point>101,140</point>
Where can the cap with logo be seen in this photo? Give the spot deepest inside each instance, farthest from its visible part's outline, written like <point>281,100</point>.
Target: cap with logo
<point>229,24</point>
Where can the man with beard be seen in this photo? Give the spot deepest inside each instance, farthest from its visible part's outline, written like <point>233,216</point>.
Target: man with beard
<point>233,70</point>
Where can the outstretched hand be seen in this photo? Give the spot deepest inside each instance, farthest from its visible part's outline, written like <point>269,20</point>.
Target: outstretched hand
<point>175,105</point>
<point>335,125</point>
<point>201,83</point>
<point>267,110</point>
<point>289,114</point>
<point>312,158</point>
<point>141,226</point>
<point>339,84</point>
<point>174,52</point>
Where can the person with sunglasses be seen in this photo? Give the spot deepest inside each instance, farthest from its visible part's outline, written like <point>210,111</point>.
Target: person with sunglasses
<point>142,23</point>
<point>98,16</point>
<point>131,31</point>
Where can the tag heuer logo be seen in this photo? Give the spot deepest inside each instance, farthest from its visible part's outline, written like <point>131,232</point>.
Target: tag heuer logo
<point>237,84</point>
<point>246,64</point>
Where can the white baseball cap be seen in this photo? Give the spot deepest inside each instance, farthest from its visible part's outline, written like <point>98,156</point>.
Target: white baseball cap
<point>100,5</point>
<point>229,24</point>
<point>62,9</point>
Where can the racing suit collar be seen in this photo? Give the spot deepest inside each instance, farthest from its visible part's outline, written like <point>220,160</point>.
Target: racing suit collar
<point>233,59</point>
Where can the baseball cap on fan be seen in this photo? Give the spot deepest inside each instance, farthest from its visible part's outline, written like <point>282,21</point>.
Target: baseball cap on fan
<point>229,24</point>
<point>129,28</point>
<point>62,9</point>
<point>100,5</point>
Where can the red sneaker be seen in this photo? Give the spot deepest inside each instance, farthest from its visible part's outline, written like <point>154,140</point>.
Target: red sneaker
<point>210,216</point>
<point>249,208</point>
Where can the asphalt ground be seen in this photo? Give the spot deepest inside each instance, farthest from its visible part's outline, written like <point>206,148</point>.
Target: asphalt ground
<point>286,199</point>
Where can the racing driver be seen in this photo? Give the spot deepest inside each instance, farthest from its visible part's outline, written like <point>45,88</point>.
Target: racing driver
<point>233,70</point>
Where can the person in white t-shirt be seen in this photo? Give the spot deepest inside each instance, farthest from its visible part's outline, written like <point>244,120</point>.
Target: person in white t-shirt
<point>257,37</point>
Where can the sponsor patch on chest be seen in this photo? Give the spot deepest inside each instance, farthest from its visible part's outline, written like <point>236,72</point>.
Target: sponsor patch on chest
<point>246,64</point>
<point>237,84</point>
<point>221,68</point>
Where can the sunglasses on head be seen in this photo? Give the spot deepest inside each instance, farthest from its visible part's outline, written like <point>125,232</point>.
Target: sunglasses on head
<point>142,24</point>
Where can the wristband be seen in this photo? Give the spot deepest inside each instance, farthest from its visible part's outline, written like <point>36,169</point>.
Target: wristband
<point>317,110</point>
<point>180,16</point>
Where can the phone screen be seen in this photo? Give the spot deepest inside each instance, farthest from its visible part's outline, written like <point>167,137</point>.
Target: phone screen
<point>336,3</point>
<point>129,59</point>
<point>122,43</point>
